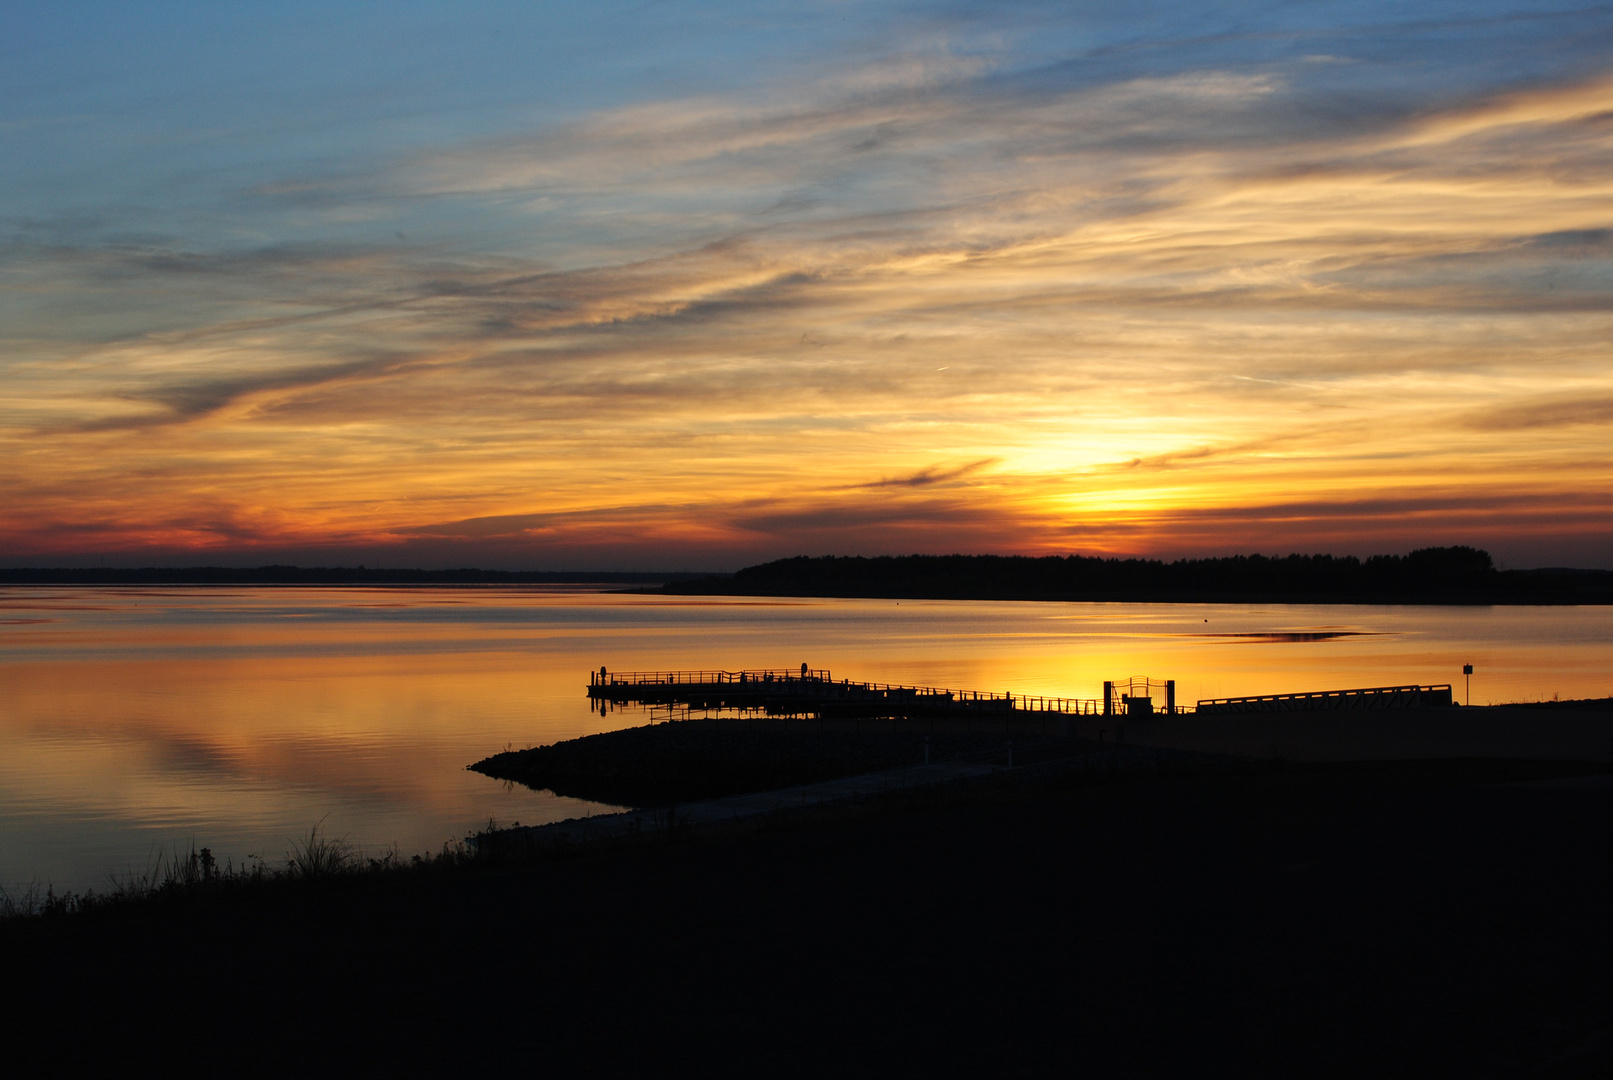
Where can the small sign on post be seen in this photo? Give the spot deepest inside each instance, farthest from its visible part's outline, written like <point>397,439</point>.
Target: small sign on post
<point>1467,671</point>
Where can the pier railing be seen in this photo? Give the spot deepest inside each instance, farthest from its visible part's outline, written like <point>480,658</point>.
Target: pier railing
<point>794,692</point>
<point>706,678</point>
<point>1372,697</point>
<point>821,684</point>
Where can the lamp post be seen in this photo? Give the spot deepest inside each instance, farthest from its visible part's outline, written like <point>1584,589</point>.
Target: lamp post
<point>1467,670</point>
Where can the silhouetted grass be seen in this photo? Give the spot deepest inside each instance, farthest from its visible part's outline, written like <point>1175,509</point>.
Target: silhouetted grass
<point>195,874</point>
<point>320,856</point>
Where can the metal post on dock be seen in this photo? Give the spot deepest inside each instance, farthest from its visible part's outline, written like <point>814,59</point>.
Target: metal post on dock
<point>1170,697</point>
<point>1108,698</point>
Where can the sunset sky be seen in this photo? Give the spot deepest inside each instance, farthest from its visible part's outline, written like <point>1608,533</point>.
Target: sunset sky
<point>693,285</point>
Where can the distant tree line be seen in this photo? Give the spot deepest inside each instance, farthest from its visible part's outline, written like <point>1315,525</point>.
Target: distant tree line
<point>1436,574</point>
<point>320,575</point>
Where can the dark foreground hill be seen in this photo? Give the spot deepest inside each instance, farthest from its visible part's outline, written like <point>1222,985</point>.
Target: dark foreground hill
<point>1304,920</point>
<point>1459,575</point>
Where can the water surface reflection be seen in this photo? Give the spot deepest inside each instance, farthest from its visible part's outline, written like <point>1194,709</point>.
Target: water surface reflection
<point>131,718</point>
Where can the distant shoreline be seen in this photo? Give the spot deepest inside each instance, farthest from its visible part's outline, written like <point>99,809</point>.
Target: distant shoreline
<point>334,575</point>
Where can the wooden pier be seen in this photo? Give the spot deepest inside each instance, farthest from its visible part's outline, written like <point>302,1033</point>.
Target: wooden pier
<point>815,697</point>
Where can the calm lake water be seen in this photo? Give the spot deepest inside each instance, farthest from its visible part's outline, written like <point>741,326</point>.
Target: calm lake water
<point>138,720</point>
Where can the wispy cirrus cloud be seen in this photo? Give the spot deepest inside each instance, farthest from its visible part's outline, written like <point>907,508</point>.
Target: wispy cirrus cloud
<point>1125,283</point>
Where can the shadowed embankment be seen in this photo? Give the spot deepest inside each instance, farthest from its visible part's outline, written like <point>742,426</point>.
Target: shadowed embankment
<point>685,761</point>
<point>1317,919</point>
<point>661,764</point>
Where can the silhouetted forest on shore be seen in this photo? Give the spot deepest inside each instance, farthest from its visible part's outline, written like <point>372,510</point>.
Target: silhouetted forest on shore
<point>1445,575</point>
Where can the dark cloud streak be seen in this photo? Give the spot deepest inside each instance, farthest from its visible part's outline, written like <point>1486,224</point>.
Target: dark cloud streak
<point>1552,412</point>
<point>935,474</point>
